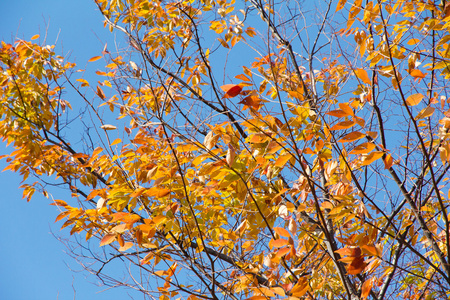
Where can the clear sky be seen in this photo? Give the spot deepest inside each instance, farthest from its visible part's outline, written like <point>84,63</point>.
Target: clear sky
<point>33,264</point>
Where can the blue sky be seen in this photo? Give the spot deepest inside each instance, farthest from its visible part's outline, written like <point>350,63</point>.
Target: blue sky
<point>33,264</point>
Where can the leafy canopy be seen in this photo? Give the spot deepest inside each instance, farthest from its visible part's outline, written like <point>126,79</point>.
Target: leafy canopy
<point>250,149</point>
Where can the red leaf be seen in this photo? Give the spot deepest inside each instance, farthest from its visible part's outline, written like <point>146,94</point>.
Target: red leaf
<point>231,90</point>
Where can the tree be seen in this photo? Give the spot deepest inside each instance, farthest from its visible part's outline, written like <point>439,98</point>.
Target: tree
<point>248,150</point>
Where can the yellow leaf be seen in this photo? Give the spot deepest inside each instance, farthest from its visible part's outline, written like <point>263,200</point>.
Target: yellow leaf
<point>414,99</point>
<point>116,141</point>
<point>83,82</point>
<point>34,37</point>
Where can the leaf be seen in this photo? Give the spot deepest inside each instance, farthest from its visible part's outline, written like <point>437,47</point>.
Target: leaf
<point>108,239</point>
<point>366,288</point>
<point>388,161</point>
<point>108,127</point>
<point>363,148</point>
<point>282,160</point>
<point>347,109</point>
<point>337,113</point>
<point>278,243</point>
<point>343,125</point>
<point>100,93</point>
<point>231,154</point>
<point>101,203</point>
<point>417,73</point>
<point>356,266</point>
<point>281,231</point>
<point>425,113</point>
<point>126,246</point>
<point>83,82</point>
<point>116,141</point>
<point>362,74</point>
<point>352,136</point>
<point>373,156</point>
<point>414,99</point>
<point>210,140</point>
<point>231,90</point>
<point>340,5</point>
<point>300,288</point>
<point>252,101</point>
<point>242,77</point>
<point>94,58</point>
<point>34,37</point>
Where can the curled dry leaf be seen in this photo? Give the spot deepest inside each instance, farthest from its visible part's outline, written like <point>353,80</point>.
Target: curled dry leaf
<point>108,127</point>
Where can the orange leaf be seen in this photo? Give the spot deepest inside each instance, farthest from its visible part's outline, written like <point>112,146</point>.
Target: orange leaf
<point>278,243</point>
<point>59,203</point>
<point>337,113</point>
<point>362,74</point>
<point>300,288</point>
<point>94,58</point>
<point>363,148</point>
<point>100,93</point>
<point>366,288</point>
<point>282,252</point>
<point>414,99</point>
<point>34,37</point>
<point>252,101</point>
<point>417,73</point>
<point>231,90</point>
<point>242,77</point>
<point>340,5</point>
<point>367,160</point>
<point>343,125</point>
<point>108,239</point>
<point>424,113</point>
<point>370,250</point>
<point>346,108</point>
<point>388,161</point>
<point>357,266</point>
<point>126,246</point>
<point>352,136</point>
<point>281,231</point>
<point>282,160</point>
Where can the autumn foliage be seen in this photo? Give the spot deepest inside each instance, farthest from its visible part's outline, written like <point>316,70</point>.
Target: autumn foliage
<point>247,149</point>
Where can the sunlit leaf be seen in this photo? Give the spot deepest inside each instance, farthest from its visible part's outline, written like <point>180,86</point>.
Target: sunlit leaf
<point>414,99</point>
<point>94,58</point>
<point>231,90</point>
<point>108,239</point>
